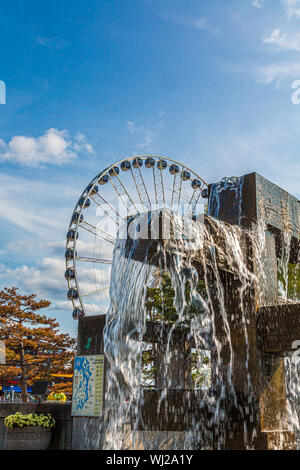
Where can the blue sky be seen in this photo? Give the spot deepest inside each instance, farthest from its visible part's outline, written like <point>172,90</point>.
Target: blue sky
<point>207,82</point>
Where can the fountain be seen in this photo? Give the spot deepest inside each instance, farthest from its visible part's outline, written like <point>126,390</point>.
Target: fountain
<point>230,298</point>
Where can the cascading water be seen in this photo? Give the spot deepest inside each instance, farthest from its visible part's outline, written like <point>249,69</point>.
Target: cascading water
<point>292,361</point>
<point>123,338</point>
<point>196,265</point>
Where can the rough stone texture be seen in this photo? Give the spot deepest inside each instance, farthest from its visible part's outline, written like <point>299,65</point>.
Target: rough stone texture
<point>61,434</point>
<point>87,433</point>
<point>268,276</point>
<point>258,200</point>
<point>90,335</point>
<point>163,440</point>
<point>28,438</point>
<point>279,327</point>
<point>247,202</point>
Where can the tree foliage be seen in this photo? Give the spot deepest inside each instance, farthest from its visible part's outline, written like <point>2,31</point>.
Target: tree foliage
<point>160,301</point>
<point>34,345</point>
<point>289,280</point>
<point>160,308</point>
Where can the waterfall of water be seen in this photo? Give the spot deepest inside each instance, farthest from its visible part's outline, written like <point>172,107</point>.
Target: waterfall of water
<point>212,314</point>
<point>292,361</point>
<point>123,337</point>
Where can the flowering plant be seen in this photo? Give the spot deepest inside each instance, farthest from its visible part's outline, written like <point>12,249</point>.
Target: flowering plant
<point>18,420</point>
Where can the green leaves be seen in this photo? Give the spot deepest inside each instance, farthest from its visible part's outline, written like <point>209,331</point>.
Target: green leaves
<point>160,301</point>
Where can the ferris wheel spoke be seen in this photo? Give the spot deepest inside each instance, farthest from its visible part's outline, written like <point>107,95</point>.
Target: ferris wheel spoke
<point>185,196</point>
<point>159,185</point>
<point>191,209</point>
<point>176,190</point>
<point>105,207</point>
<point>94,260</point>
<point>137,184</point>
<point>123,194</point>
<point>98,232</point>
<point>141,187</point>
<point>95,291</point>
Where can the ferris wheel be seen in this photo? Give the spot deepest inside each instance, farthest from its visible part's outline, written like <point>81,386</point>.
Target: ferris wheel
<point>130,187</point>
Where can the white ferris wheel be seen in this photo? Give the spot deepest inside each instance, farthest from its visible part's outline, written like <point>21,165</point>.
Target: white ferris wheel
<point>132,186</point>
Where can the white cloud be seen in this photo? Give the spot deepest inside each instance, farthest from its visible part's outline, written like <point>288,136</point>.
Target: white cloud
<point>144,134</point>
<point>54,147</point>
<point>199,24</point>
<point>276,72</point>
<point>91,309</point>
<point>258,3</point>
<point>292,8</point>
<point>42,208</point>
<point>80,144</point>
<point>21,247</point>
<point>65,305</point>
<point>44,279</point>
<point>131,127</point>
<point>47,280</point>
<point>146,145</point>
<point>37,214</point>
<point>284,40</point>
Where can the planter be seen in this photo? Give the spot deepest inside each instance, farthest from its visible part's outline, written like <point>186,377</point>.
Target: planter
<point>28,438</point>
<point>56,401</point>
